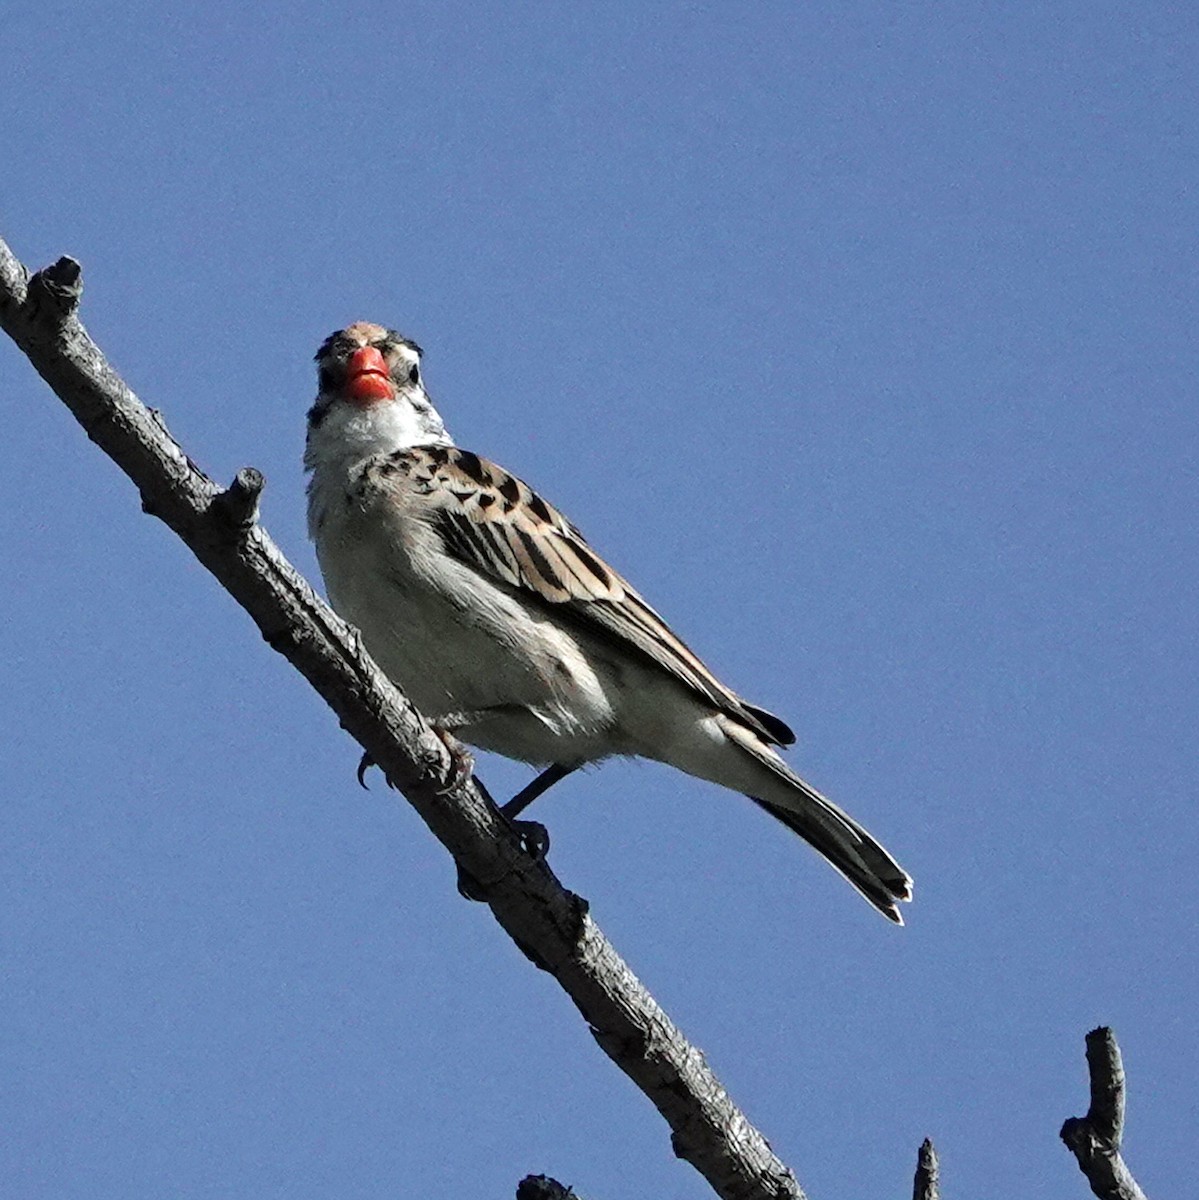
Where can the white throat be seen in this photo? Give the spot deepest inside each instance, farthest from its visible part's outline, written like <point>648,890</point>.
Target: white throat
<point>343,435</point>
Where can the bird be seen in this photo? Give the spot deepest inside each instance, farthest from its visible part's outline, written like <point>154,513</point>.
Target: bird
<point>492,612</point>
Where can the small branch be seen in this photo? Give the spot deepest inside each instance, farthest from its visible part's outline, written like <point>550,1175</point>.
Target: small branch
<point>1095,1139</point>
<point>927,1183</point>
<point>548,923</point>
<point>542,1187</point>
<point>55,291</point>
<point>237,505</point>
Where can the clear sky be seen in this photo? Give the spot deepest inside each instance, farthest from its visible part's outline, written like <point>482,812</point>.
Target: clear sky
<point>862,338</point>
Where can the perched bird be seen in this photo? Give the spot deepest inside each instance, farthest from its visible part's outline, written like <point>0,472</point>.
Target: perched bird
<point>506,629</point>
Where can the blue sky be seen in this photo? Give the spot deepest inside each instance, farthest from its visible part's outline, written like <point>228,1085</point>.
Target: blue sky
<point>862,338</point>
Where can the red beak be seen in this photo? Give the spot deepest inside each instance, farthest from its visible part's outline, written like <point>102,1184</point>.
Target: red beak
<point>368,380</point>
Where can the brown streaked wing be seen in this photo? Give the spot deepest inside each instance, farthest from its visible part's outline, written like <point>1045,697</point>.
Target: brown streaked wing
<point>498,524</point>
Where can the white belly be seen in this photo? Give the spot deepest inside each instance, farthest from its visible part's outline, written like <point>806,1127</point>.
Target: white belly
<point>474,659</point>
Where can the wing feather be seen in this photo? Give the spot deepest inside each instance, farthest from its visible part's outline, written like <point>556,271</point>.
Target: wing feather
<point>497,524</point>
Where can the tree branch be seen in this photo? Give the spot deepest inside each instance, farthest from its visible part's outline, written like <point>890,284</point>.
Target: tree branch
<point>550,924</point>
<point>926,1185</point>
<point>542,1187</point>
<point>1095,1139</point>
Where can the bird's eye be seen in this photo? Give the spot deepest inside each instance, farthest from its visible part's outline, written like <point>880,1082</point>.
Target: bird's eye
<point>414,374</point>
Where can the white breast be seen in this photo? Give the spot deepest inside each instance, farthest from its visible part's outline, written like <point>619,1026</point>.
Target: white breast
<point>470,653</point>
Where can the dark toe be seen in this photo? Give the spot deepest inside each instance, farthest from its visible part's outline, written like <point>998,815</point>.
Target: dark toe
<point>364,764</point>
<point>534,838</point>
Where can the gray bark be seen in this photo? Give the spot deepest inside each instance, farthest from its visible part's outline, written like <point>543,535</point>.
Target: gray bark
<point>928,1171</point>
<point>1095,1139</point>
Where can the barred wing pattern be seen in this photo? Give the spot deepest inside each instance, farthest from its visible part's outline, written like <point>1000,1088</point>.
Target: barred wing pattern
<point>497,524</point>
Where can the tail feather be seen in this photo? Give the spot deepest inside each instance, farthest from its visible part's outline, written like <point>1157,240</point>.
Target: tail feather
<point>826,828</point>
<point>866,865</point>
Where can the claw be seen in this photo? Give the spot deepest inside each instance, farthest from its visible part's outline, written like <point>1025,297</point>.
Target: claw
<point>462,762</point>
<point>364,764</point>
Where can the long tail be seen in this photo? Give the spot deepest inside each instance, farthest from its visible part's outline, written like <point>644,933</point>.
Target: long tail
<point>833,833</point>
<point>849,848</point>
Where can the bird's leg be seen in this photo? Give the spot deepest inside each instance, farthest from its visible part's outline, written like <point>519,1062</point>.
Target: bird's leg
<point>527,794</point>
<point>533,835</point>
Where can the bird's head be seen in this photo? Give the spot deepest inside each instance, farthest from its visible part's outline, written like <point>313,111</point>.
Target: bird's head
<point>371,396</point>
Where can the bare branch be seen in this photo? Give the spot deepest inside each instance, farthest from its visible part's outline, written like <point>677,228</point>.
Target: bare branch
<point>1095,1139</point>
<point>927,1182</point>
<point>542,1187</point>
<point>550,924</point>
<point>238,503</point>
<point>55,291</point>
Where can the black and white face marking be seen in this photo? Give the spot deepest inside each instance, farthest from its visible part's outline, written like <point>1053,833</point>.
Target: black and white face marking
<point>347,423</point>
<point>401,354</point>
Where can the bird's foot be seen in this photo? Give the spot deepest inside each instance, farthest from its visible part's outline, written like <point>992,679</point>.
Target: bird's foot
<point>534,838</point>
<point>462,762</point>
<point>534,841</point>
<point>462,765</point>
<point>364,764</point>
